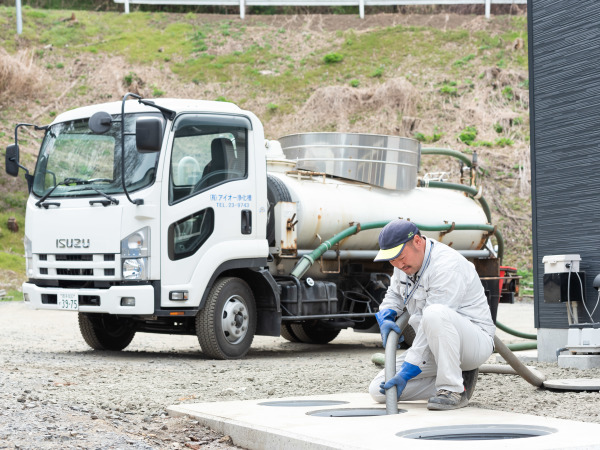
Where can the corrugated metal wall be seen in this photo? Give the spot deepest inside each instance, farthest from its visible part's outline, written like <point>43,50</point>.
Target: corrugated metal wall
<point>564,77</point>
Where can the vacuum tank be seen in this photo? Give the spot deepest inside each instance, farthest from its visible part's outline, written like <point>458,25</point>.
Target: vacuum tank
<point>339,179</point>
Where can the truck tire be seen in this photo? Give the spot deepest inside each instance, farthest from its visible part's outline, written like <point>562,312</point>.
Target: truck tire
<point>287,333</point>
<point>226,325</point>
<point>276,192</point>
<point>314,332</point>
<point>106,332</point>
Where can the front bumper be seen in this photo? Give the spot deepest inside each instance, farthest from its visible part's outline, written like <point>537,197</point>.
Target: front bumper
<point>103,300</point>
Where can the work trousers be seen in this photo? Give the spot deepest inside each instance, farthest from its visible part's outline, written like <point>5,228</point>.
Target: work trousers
<point>455,344</point>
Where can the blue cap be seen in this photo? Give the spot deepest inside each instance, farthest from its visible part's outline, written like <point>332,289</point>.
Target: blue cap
<point>393,237</point>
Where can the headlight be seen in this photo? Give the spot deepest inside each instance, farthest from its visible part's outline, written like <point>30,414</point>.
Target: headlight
<point>135,269</point>
<point>135,255</point>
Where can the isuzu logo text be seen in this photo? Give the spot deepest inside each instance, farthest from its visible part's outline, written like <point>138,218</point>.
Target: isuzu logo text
<point>72,243</point>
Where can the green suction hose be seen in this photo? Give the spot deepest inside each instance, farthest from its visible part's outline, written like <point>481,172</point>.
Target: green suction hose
<point>308,260</point>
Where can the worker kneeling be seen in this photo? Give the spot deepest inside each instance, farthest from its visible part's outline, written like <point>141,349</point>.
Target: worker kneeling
<point>449,312</point>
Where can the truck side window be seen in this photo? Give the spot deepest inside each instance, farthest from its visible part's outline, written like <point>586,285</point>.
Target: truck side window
<point>205,155</point>
<point>187,235</point>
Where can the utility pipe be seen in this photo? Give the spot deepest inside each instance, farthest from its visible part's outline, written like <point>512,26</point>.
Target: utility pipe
<point>391,395</point>
<point>308,260</point>
<point>515,332</point>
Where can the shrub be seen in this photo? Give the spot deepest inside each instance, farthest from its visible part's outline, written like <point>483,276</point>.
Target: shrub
<point>499,128</point>
<point>508,93</point>
<point>354,83</point>
<point>504,142</point>
<point>332,58</point>
<point>468,135</point>
<point>449,90</point>
<point>377,73</point>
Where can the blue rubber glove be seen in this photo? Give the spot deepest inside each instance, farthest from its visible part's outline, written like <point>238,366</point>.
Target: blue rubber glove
<point>387,322</point>
<point>407,372</point>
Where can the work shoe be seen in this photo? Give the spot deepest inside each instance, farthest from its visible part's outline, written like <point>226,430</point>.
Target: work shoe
<point>445,400</point>
<point>469,381</point>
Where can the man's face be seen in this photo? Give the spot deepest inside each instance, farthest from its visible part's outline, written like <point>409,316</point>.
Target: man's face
<point>411,258</point>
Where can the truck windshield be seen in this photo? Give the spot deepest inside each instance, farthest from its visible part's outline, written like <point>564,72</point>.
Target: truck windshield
<point>75,162</point>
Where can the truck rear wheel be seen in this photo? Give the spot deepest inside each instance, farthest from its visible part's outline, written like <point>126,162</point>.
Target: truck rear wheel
<point>314,332</point>
<point>226,326</point>
<point>287,333</point>
<point>106,332</point>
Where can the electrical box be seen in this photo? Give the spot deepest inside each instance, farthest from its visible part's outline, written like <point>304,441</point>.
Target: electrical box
<point>561,263</point>
<point>563,281</point>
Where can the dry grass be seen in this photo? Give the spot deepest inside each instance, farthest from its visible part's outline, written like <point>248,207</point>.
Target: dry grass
<point>346,109</point>
<point>19,76</point>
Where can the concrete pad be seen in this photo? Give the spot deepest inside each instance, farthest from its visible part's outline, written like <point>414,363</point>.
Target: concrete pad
<point>579,361</point>
<point>255,426</point>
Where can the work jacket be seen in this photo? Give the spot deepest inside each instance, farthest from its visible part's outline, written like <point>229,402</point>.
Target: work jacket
<point>445,277</point>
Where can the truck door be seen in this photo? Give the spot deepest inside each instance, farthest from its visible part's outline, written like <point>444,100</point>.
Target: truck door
<point>209,204</point>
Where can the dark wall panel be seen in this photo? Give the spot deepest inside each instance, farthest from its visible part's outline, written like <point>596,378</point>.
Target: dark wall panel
<point>564,85</point>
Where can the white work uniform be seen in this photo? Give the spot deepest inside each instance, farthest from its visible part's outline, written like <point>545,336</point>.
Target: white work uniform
<point>451,318</point>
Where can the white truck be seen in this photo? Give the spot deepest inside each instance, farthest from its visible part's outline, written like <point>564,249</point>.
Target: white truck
<point>200,226</point>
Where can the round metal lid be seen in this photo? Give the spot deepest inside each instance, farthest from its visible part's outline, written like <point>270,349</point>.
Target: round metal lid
<point>574,384</point>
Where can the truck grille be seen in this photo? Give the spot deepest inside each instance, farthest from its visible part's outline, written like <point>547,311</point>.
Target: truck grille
<point>75,272</point>
<point>68,266</point>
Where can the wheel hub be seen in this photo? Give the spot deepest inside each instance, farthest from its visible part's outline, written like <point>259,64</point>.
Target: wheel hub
<point>235,319</point>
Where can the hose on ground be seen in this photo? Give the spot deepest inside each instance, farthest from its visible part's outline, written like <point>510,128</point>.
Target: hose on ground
<point>505,369</point>
<point>515,332</point>
<point>514,362</point>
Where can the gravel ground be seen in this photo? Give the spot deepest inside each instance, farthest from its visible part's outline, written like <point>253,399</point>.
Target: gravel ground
<point>55,392</point>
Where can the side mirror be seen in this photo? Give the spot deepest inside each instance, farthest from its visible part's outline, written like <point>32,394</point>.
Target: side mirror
<point>148,134</point>
<point>100,122</point>
<point>12,160</point>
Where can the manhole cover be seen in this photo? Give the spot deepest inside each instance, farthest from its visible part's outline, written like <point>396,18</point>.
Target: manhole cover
<point>303,403</point>
<point>477,432</point>
<point>578,384</point>
<point>351,412</point>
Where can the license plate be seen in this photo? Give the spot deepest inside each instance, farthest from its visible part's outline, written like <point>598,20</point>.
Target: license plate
<point>68,301</point>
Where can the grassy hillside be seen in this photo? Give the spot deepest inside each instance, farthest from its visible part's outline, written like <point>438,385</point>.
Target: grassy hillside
<point>456,81</point>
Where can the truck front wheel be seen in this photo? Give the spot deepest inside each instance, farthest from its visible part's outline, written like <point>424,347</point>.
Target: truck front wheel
<point>226,325</point>
<point>106,332</point>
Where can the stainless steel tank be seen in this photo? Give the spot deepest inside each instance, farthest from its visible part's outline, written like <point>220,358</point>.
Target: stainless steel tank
<point>390,162</point>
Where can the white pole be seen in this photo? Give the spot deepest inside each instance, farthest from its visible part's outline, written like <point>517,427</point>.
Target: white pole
<point>126,6</point>
<point>361,8</point>
<point>19,18</point>
<point>488,7</point>
<point>242,9</point>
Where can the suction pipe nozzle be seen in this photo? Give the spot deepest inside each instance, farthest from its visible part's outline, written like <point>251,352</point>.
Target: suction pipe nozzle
<point>391,395</point>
